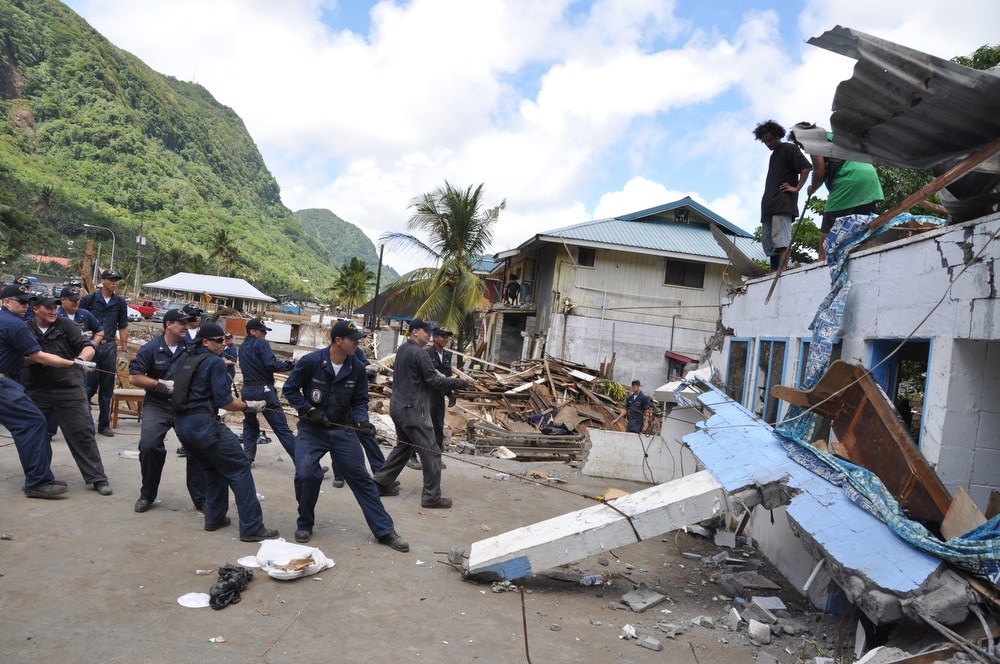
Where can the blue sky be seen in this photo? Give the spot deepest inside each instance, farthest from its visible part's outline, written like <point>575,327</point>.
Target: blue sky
<point>568,110</point>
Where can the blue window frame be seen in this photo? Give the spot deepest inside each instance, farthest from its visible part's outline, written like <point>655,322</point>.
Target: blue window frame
<point>736,369</point>
<point>772,357</point>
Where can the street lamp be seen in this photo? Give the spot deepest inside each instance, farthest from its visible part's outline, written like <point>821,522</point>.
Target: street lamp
<point>113,240</point>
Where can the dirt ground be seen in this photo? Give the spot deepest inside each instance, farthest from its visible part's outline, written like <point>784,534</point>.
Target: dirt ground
<point>86,579</point>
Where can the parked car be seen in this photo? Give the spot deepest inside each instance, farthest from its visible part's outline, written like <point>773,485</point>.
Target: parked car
<point>158,314</point>
<point>147,308</point>
<point>134,315</point>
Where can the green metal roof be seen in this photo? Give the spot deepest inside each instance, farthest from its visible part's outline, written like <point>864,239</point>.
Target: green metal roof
<point>656,230</point>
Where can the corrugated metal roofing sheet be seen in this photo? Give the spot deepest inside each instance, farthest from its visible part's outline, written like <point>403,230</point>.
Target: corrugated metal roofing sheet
<point>905,108</point>
<point>690,239</point>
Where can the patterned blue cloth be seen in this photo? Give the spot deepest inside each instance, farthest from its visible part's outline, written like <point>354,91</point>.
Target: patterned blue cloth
<point>976,552</point>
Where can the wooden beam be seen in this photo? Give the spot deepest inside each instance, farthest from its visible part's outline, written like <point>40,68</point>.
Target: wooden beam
<point>962,516</point>
<point>938,183</point>
<point>577,535</point>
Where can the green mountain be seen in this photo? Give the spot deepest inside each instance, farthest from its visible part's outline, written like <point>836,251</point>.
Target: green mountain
<point>343,240</point>
<point>91,135</point>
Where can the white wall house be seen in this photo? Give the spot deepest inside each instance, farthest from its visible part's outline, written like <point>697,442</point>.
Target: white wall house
<point>936,291</point>
<point>639,292</point>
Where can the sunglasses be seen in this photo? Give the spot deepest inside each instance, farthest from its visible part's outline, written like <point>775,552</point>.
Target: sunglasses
<point>217,340</point>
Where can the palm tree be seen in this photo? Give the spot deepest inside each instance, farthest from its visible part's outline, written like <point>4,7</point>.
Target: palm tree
<point>459,231</point>
<point>353,284</point>
<point>224,252</point>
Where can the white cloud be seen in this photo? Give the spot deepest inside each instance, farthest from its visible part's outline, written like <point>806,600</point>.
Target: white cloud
<point>557,106</point>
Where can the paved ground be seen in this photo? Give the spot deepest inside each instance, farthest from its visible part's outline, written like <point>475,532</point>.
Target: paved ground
<point>86,579</point>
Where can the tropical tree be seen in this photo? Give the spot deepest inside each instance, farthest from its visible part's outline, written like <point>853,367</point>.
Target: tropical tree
<point>353,285</point>
<point>224,252</point>
<point>458,230</point>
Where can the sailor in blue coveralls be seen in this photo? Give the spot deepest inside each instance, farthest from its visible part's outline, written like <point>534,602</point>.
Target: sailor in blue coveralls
<point>258,364</point>
<point>329,389</point>
<point>112,310</point>
<point>149,370</point>
<point>19,415</point>
<point>209,441</point>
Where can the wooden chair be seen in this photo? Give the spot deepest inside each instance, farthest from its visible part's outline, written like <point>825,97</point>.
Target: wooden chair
<point>126,397</point>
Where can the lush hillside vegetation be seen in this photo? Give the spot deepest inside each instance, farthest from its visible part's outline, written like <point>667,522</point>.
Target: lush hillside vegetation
<point>91,135</point>
<point>343,240</point>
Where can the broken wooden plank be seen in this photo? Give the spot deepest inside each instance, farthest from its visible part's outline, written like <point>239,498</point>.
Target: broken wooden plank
<point>992,505</point>
<point>577,535</point>
<point>873,436</point>
<point>962,516</point>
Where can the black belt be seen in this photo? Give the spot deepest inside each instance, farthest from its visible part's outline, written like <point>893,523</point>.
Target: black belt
<point>198,411</point>
<point>257,383</point>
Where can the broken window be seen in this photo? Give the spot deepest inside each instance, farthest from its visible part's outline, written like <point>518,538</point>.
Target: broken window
<point>902,374</point>
<point>771,358</point>
<point>736,369</point>
<point>586,257</point>
<point>684,273</point>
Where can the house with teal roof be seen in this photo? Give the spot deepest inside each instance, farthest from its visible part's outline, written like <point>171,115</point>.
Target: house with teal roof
<point>635,295</point>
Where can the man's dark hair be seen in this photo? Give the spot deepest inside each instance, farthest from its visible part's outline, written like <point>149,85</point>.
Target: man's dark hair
<point>635,382</point>
<point>769,127</point>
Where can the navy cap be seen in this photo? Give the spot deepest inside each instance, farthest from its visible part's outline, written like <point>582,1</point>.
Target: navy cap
<point>71,292</point>
<point>442,332</point>
<point>209,331</point>
<point>346,329</point>
<point>192,310</point>
<point>257,324</point>
<point>20,291</point>
<point>174,315</point>
<point>419,324</point>
<point>110,274</point>
<point>45,302</point>
<point>229,335</point>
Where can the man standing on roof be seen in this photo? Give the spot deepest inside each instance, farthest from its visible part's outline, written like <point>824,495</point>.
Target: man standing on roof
<point>415,384</point>
<point>258,364</point>
<point>19,414</point>
<point>149,370</point>
<point>60,393</point>
<point>853,187</point>
<point>787,172</point>
<point>203,388</point>
<point>329,389</point>
<point>112,311</point>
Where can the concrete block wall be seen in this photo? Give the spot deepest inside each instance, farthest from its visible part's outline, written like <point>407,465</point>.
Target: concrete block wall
<point>638,347</point>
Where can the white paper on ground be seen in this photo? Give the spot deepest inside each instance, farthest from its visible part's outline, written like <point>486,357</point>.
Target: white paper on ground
<point>279,552</point>
<point>193,600</point>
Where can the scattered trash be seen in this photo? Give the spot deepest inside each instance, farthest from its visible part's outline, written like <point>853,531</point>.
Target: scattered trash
<point>595,622</point>
<point>286,561</point>
<point>420,562</point>
<point>592,580</point>
<point>128,454</point>
<point>503,477</point>
<point>6,537</point>
<point>194,600</point>
<point>503,587</point>
<point>555,628</point>
<point>628,632</point>
<point>502,452</point>
<point>248,561</point>
<point>485,527</point>
<point>203,572</point>
<point>692,556</point>
<point>260,496</point>
<point>216,639</point>
<point>232,581</point>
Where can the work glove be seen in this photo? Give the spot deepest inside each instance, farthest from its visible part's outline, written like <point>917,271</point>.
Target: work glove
<point>372,370</point>
<point>452,400</point>
<point>164,387</point>
<point>314,416</point>
<point>366,429</point>
<point>85,365</point>
<point>123,357</point>
<point>89,334</point>
<point>255,406</point>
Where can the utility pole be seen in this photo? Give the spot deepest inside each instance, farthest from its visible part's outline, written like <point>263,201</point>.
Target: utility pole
<point>140,241</point>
